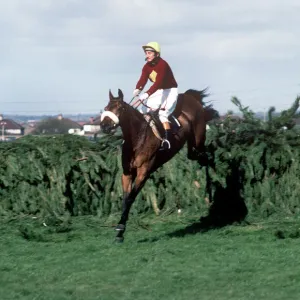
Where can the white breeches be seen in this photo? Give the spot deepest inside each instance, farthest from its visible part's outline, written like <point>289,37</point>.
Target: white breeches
<point>166,98</point>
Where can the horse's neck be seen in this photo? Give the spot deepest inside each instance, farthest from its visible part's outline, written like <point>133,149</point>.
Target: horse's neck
<point>132,125</point>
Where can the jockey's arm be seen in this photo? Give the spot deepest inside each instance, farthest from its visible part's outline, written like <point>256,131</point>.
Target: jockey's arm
<point>143,79</point>
<point>159,80</point>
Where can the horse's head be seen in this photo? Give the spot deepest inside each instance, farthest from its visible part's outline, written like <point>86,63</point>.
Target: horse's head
<point>110,118</point>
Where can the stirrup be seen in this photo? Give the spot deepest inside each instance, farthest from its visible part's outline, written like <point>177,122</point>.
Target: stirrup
<point>163,143</point>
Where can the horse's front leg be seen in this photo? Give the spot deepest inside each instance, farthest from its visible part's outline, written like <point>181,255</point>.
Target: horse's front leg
<point>127,181</point>
<point>130,195</point>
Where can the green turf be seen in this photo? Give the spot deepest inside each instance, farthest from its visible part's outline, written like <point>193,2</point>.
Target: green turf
<point>79,260</point>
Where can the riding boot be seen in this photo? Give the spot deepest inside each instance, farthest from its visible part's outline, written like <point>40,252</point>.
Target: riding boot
<point>165,145</point>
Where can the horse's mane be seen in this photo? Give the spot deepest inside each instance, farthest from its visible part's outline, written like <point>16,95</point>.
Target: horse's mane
<point>134,113</point>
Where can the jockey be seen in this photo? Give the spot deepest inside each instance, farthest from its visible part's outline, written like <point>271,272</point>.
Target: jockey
<point>162,93</point>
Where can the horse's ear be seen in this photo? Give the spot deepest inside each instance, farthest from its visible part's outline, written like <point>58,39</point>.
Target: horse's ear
<point>111,97</point>
<point>121,96</point>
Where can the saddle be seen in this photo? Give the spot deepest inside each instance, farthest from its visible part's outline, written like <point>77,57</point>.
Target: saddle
<point>153,120</point>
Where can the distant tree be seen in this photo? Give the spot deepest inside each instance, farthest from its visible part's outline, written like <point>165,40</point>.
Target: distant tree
<point>229,112</point>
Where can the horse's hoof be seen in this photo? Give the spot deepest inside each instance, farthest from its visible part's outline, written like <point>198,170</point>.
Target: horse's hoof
<point>119,239</point>
<point>120,227</point>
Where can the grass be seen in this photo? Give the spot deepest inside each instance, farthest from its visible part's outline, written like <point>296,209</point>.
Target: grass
<point>79,260</point>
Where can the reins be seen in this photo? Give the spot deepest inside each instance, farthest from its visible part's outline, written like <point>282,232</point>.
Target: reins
<point>139,102</point>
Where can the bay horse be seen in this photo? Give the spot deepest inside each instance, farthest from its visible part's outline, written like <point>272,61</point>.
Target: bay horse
<point>140,149</point>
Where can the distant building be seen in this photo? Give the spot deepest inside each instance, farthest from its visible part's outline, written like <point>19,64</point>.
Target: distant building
<point>57,125</point>
<point>93,126</point>
<point>9,127</point>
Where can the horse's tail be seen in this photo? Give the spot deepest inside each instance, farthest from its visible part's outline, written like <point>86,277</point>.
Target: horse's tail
<point>210,112</point>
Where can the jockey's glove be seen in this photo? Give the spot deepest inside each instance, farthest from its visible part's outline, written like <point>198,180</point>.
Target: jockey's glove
<point>136,92</point>
<point>144,96</point>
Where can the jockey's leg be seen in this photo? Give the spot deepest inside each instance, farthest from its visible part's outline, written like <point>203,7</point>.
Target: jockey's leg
<point>166,141</point>
<point>155,100</point>
<point>168,106</point>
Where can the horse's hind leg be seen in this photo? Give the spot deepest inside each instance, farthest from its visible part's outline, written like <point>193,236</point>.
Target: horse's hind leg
<point>196,144</point>
<point>191,145</point>
<point>202,157</point>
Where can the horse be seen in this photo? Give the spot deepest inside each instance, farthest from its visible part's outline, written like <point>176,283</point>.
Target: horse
<point>140,149</point>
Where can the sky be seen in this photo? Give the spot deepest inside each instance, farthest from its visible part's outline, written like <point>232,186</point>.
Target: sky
<point>64,56</point>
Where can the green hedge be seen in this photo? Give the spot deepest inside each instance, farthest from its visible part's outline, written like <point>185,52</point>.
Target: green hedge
<point>251,162</point>
<point>47,175</point>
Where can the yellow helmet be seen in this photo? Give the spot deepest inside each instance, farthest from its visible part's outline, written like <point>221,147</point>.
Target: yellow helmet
<point>152,46</point>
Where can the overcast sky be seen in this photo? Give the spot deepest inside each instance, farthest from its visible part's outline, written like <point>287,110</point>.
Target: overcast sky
<point>63,56</point>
